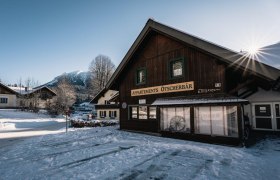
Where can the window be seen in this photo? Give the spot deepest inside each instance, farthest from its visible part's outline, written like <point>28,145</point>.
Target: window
<point>152,112</point>
<point>175,119</point>
<point>113,114</point>
<point>141,76</point>
<point>134,112</point>
<point>216,120</point>
<point>4,100</point>
<point>143,112</point>
<point>176,68</point>
<point>102,114</point>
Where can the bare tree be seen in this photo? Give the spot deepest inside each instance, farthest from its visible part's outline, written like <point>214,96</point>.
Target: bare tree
<point>65,97</point>
<point>101,69</point>
<point>28,82</point>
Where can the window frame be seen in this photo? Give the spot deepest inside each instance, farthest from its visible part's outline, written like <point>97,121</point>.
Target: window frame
<point>170,66</point>
<point>113,114</point>
<point>226,126</point>
<point>148,112</point>
<point>103,113</point>
<point>3,100</point>
<point>136,75</point>
<point>149,115</point>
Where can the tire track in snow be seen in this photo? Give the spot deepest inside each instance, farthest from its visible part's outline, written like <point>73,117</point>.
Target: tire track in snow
<point>155,170</point>
<point>55,170</point>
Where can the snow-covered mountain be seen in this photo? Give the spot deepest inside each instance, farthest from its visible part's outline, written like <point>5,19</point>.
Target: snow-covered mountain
<point>270,55</point>
<point>79,78</point>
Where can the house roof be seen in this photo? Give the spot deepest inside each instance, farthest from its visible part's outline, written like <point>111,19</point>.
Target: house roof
<point>22,91</point>
<point>102,93</point>
<point>229,56</point>
<point>8,89</point>
<point>98,95</point>
<point>114,97</point>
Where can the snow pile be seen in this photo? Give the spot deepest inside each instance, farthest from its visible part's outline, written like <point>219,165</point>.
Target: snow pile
<point>14,123</point>
<point>107,153</point>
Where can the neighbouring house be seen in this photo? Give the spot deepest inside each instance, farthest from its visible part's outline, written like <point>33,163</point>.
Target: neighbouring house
<point>8,97</point>
<point>182,86</point>
<point>36,98</point>
<point>106,105</point>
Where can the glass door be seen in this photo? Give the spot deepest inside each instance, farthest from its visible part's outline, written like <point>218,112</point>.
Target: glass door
<point>263,116</point>
<point>277,115</point>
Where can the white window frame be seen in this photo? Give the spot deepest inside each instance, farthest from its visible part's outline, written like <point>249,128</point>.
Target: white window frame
<point>273,115</point>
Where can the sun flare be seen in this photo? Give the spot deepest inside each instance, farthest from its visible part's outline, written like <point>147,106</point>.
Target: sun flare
<point>253,50</point>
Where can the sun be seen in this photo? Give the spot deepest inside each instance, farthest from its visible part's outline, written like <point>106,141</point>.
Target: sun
<point>253,50</point>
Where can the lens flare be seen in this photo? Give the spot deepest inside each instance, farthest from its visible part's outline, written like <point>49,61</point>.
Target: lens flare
<point>253,50</point>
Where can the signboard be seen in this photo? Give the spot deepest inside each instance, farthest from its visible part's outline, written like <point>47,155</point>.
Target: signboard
<point>179,87</point>
<point>142,101</point>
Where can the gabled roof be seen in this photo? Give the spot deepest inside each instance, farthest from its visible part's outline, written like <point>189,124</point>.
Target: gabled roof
<point>8,89</point>
<point>114,97</point>
<point>233,58</point>
<point>98,95</point>
<point>102,93</point>
<point>44,87</point>
<point>22,90</point>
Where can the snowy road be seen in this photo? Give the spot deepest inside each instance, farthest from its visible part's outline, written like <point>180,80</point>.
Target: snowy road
<point>107,153</point>
<point>16,126</point>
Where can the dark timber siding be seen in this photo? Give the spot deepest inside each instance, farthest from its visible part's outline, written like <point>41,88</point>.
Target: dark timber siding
<point>155,53</point>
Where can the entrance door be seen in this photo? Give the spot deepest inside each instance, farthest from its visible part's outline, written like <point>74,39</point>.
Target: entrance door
<point>277,115</point>
<point>263,116</point>
<point>266,116</point>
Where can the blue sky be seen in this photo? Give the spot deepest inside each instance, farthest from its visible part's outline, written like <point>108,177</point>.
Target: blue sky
<point>45,38</point>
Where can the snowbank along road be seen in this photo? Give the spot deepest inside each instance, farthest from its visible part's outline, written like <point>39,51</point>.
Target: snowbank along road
<point>15,125</point>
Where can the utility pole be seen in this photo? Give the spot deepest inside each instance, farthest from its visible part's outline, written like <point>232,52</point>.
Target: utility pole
<point>66,114</point>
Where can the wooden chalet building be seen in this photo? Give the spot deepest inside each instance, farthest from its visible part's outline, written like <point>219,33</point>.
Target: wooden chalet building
<point>181,86</point>
<point>36,98</point>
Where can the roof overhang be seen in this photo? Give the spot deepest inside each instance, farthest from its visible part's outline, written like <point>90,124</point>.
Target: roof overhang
<point>197,101</point>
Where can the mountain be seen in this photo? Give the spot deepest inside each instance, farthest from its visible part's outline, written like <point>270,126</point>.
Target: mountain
<point>270,55</point>
<point>79,79</point>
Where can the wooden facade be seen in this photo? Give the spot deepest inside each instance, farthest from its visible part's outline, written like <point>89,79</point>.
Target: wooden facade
<point>213,77</point>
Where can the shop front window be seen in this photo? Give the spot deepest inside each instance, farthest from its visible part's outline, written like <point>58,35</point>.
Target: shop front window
<point>152,112</point>
<point>216,120</point>
<point>175,119</point>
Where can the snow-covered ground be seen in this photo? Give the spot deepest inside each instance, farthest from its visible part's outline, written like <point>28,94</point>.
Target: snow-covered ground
<point>108,153</point>
<point>16,123</point>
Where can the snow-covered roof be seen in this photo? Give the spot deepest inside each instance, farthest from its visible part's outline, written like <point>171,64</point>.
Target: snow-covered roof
<point>270,55</point>
<point>24,91</point>
<point>21,90</point>
<point>186,100</point>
